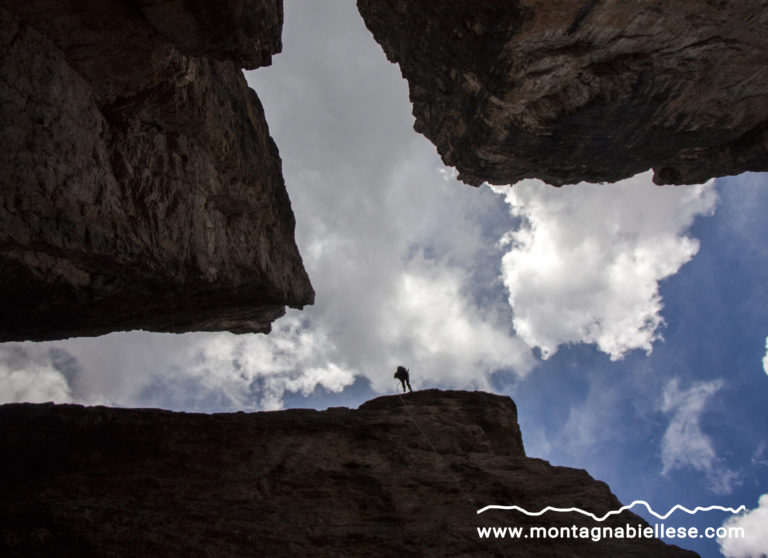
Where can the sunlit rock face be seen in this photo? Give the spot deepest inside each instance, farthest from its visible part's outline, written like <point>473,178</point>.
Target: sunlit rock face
<point>400,476</point>
<point>140,187</point>
<point>595,90</point>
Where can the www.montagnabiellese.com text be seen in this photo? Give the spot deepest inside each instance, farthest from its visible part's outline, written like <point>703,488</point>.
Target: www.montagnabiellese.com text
<point>598,533</point>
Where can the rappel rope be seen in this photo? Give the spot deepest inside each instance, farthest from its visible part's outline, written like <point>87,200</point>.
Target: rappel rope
<point>456,479</point>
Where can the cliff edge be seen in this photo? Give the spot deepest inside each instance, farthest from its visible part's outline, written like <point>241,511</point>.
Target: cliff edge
<point>140,188</point>
<point>400,476</point>
<point>593,90</point>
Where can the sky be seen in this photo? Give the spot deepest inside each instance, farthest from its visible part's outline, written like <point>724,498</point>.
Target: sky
<point>627,321</point>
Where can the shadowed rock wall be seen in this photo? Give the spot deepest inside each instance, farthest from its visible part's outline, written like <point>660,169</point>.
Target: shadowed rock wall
<point>140,188</point>
<point>593,90</point>
<point>400,476</point>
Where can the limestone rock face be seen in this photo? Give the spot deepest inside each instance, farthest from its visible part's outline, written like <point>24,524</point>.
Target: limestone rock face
<point>140,188</point>
<point>400,476</point>
<point>594,90</point>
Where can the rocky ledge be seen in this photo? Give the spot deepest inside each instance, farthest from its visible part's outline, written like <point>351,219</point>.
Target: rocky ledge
<point>590,90</point>
<point>140,188</point>
<point>400,476</point>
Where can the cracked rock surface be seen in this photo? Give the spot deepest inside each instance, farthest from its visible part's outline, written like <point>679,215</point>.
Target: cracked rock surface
<point>140,188</point>
<point>400,476</point>
<point>592,90</point>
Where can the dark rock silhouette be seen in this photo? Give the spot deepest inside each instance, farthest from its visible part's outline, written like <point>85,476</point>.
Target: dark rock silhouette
<point>597,91</point>
<point>402,475</point>
<point>140,187</point>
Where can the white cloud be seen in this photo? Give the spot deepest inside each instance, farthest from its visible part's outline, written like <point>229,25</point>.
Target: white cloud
<point>254,371</point>
<point>758,457</point>
<point>404,260</point>
<point>754,544</point>
<point>585,264</point>
<point>28,379</point>
<point>765,358</point>
<point>448,174</point>
<point>684,444</point>
<point>240,371</point>
<point>396,249</point>
<point>449,340</point>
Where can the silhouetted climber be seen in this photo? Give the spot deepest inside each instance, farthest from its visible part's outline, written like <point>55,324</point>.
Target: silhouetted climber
<point>404,377</point>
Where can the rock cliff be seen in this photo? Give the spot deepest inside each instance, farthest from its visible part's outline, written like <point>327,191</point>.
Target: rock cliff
<point>400,476</point>
<point>594,90</point>
<point>140,188</point>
